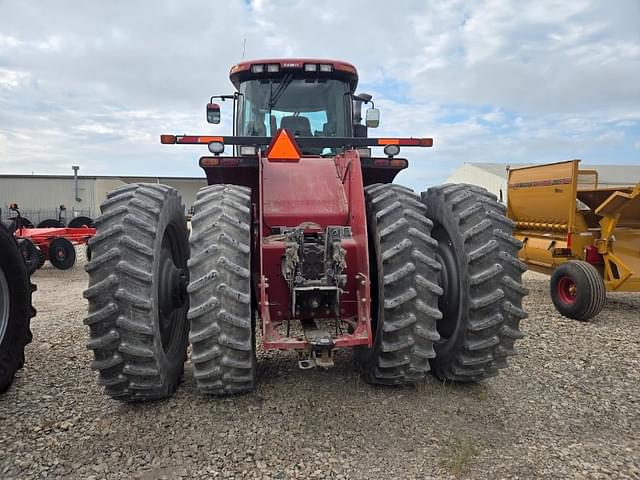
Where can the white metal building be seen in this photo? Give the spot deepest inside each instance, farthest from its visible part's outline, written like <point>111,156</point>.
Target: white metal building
<point>39,196</point>
<point>493,176</point>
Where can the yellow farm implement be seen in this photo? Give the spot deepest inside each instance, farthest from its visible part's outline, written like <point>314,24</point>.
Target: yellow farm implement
<point>585,236</point>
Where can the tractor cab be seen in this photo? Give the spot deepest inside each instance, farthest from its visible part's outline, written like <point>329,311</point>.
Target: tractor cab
<point>314,102</point>
<point>309,98</point>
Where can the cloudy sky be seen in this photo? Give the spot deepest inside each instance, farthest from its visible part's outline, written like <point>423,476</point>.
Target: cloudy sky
<point>95,82</point>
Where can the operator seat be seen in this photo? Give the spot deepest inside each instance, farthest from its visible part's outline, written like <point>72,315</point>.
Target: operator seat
<point>299,126</point>
<point>256,129</point>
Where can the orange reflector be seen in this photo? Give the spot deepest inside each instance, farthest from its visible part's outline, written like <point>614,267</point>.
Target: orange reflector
<point>210,139</point>
<point>283,148</point>
<point>407,142</point>
<point>167,139</point>
<point>209,161</point>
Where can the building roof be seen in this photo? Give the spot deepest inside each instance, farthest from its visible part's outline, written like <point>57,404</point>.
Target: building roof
<point>607,174</point>
<point>125,178</point>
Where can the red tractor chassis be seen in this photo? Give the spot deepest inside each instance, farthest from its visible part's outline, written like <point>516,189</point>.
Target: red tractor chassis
<point>308,197</point>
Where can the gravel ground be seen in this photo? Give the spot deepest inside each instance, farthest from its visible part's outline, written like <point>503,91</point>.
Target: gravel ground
<point>568,407</point>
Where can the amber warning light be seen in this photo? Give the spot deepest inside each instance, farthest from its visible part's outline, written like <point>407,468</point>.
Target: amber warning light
<point>283,148</point>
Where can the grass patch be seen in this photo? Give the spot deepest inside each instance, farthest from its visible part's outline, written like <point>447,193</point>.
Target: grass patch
<point>459,455</point>
<point>482,393</point>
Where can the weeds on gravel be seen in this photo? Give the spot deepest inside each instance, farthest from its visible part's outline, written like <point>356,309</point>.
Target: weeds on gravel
<point>457,457</point>
<point>421,387</point>
<point>482,393</point>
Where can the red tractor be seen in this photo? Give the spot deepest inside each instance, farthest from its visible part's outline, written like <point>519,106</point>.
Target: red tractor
<point>302,233</point>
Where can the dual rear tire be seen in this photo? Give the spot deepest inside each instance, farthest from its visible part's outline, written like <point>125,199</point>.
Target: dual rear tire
<point>482,281</point>
<point>467,322</point>
<point>143,296</point>
<point>222,318</point>
<point>404,295</point>
<point>137,313</point>
<point>445,281</point>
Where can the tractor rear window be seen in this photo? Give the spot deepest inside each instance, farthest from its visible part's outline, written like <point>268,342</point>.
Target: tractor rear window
<point>307,107</point>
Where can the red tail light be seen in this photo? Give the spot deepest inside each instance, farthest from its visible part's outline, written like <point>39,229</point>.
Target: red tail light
<point>229,162</point>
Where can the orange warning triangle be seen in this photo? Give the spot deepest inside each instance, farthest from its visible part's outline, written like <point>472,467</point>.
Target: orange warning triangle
<point>283,148</point>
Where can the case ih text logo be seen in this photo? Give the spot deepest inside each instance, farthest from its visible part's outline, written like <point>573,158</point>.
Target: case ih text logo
<point>291,65</point>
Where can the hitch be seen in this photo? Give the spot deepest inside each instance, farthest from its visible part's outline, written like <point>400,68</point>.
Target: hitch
<point>322,358</point>
<point>321,346</point>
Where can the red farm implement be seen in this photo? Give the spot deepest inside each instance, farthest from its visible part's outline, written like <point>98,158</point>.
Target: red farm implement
<point>302,236</point>
<point>55,244</point>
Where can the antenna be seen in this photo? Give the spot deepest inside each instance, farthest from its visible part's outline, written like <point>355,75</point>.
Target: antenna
<point>244,45</point>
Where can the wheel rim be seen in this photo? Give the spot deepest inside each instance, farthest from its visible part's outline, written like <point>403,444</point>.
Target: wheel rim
<point>449,280</point>
<point>172,281</point>
<point>61,253</point>
<point>4,305</point>
<point>567,290</point>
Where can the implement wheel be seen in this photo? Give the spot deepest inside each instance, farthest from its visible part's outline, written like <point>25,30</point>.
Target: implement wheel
<point>222,322</point>
<point>404,295</point>
<point>15,308</point>
<point>482,281</point>
<point>137,292</point>
<point>24,223</point>
<point>50,223</point>
<point>30,254</point>
<point>577,290</point>
<point>41,259</point>
<point>62,253</point>
<point>79,222</point>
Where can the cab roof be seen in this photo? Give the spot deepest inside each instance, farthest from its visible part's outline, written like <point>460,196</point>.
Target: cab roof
<point>277,67</point>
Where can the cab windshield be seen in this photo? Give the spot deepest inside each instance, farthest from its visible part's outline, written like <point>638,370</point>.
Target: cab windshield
<point>317,107</point>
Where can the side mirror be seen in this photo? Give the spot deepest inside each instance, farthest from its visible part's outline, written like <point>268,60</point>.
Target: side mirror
<point>213,113</point>
<point>372,119</point>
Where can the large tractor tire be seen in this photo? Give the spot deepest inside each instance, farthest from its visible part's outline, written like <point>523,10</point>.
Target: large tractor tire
<point>15,308</point>
<point>137,292</point>
<point>404,295</point>
<point>482,281</point>
<point>577,290</point>
<point>222,321</point>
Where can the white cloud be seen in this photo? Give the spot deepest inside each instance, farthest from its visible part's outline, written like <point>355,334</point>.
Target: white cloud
<point>96,82</point>
<point>494,116</point>
<point>10,79</point>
